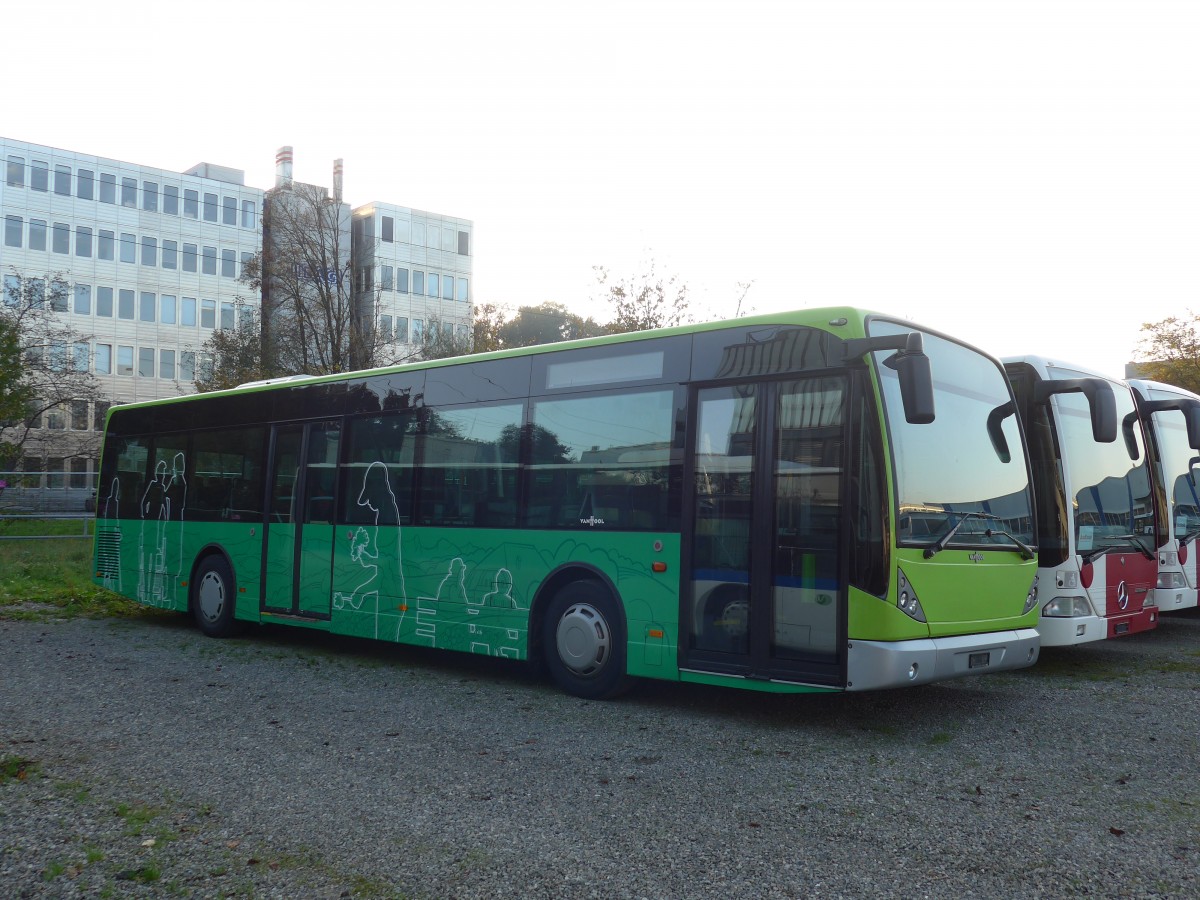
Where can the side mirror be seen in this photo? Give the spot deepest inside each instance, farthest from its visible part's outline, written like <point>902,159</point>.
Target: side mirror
<point>1192,470</point>
<point>1127,426</point>
<point>1102,403</point>
<point>995,429</point>
<point>1191,415</point>
<point>910,364</point>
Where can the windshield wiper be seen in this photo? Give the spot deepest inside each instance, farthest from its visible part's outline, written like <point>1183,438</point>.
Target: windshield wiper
<point>940,544</point>
<point>1024,549</point>
<point>1133,539</point>
<point>1095,553</point>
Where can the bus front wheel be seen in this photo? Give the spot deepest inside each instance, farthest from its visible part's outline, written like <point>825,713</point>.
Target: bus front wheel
<point>584,641</point>
<point>213,592</point>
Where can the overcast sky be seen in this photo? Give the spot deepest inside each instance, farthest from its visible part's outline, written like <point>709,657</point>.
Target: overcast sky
<point>1023,175</point>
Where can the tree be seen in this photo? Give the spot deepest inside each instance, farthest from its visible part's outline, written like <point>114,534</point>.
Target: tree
<point>546,324</point>
<point>46,385</point>
<point>235,354</point>
<point>319,307</point>
<point>441,341</point>
<point>1170,351</point>
<point>486,322</point>
<point>643,302</point>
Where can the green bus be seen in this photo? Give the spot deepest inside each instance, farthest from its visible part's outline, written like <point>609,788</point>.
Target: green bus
<point>827,499</point>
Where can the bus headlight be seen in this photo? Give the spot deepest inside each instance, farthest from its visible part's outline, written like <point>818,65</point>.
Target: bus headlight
<point>906,598</point>
<point>1031,597</point>
<point>1067,608</point>
<point>1170,581</point>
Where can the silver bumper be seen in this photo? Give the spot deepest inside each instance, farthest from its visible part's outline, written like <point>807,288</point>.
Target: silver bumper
<point>871,665</point>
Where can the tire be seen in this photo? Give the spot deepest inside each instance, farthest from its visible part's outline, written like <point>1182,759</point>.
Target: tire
<point>726,620</point>
<point>583,638</point>
<point>213,598</point>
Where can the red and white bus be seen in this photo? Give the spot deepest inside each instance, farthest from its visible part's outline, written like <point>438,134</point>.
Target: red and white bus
<point>1170,418</point>
<point>1098,532</point>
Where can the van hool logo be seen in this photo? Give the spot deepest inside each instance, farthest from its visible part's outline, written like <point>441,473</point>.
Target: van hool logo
<point>591,520</point>
<point>976,557</point>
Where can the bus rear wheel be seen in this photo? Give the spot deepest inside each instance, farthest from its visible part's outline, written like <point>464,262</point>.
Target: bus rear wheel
<point>213,593</point>
<point>584,641</point>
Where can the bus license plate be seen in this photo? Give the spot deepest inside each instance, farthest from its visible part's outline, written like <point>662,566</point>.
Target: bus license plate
<point>1122,628</point>
<point>979,660</point>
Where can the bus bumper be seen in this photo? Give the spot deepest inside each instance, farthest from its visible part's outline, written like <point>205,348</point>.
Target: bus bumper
<point>1144,619</point>
<point>871,665</point>
<point>1067,631</point>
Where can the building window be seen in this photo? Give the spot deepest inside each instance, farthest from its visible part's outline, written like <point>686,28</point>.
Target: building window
<point>388,229</point>
<point>170,200</point>
<point>36,292</point>
<point>62,181</point>
<point>418,236</point>
<point>385,278</point>
<point>149,251</point>
<point>104,304</point>
<point>103,359</point>
<point>84,181</point>
<point>128,248</point>
<point>385,328</point>
<point>189,257</point>
<point>83,299</point>
<point>58,296</point>
<point>447,237</point>
<point>166,309</point>
<point>124,360</point>
<point>100,414</point>
<point>187,365</point>
<point>82,361</point>
<point>447,287</point>
<point>79,471</point>
<point>83,241</point>
<point>129,192</point>
<point>229,210</point>
<point>108,188</point>
<point>464,244</point>
<point>62,237</point>
<point>39,176</point>
<point>402,329</point>
<point>433,284</point>
<point>16,171</point>
<point>248,217</point>
<point>462,290</point>
<point>149,196</point>
<point>105,245</point>
<point>227,320</point>
<point>418,283</point>
<point>146,362</point>
<point>146,310</point>
<point>418,331</point>
<point>166,364</point>
<point>12,290</point>
<point>208,313</point>
<point>12,231</point>
<point>54,464</point>
<point>187,312</point>
<point>170,252</point>
<point>228,263</point>
<point>210,207</point>
<point>79,418</point>
<point>209,264</point>
<point>125,304</point>
<point>191,204</point>
<point>37,234</point>
<point>402,281</point>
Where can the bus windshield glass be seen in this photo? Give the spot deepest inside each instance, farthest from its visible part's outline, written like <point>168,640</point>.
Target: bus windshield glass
<point>1178,476</point>
<point>1110,493</point>
<point>969,460</point>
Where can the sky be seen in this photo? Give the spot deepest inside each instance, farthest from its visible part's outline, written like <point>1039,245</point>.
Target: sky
<point>1021,175</point>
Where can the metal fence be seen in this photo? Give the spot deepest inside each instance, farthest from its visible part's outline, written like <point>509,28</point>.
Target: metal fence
<point>33,506</point>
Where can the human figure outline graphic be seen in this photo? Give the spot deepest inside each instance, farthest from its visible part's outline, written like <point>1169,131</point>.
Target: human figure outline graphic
<point>377,497</point>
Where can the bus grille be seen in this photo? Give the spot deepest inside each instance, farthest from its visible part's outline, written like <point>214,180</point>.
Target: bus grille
<point>108,552</point>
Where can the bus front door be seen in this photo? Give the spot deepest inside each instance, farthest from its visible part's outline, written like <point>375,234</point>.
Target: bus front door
<point>298,550</point>
<point>766,598</point>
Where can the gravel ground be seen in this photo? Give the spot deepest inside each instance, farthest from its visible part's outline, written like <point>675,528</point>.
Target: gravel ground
<point>291,764</point>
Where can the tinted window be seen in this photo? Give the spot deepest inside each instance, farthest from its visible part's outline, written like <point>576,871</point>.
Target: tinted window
<point>469,472</point>
<point>226,475</point>
<point>377,483</point>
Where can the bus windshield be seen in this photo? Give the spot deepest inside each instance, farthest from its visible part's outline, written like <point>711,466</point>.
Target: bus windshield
<point>1110,493</point>
<point>1177,459</point>
<point>969,460</point>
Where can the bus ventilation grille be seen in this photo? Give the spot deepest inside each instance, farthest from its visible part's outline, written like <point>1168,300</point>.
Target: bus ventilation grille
<point>108,552</point>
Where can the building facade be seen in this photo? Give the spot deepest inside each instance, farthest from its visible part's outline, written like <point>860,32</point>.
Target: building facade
<point>151,261</point>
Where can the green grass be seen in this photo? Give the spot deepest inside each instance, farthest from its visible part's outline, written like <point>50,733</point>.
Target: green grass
<point>15,527</point>
<point>52,579</point>
<point>17,767</point>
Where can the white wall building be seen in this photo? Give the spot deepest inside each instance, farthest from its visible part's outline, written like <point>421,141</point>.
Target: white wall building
<point>152,260</point>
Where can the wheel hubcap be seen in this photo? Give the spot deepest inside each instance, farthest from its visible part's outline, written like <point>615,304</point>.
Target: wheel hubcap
<point>211,596</point>
<point>584,639</point>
